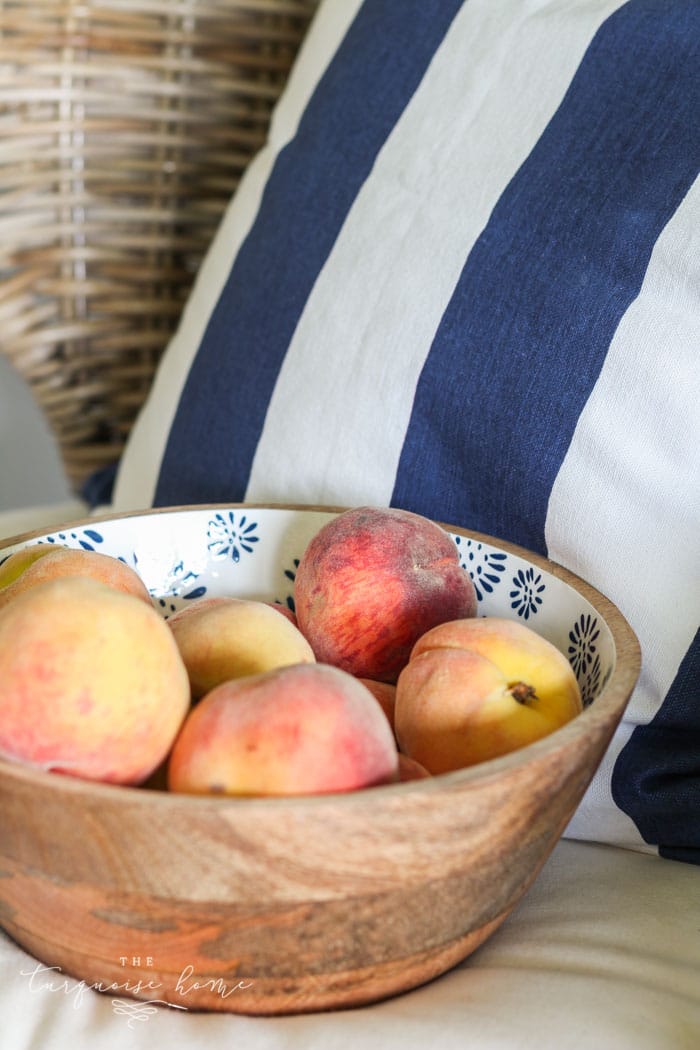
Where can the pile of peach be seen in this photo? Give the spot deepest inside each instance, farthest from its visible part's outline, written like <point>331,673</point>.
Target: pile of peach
<point>383,673</point>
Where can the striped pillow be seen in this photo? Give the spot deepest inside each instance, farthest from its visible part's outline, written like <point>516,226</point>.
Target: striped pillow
<point>462,278</point>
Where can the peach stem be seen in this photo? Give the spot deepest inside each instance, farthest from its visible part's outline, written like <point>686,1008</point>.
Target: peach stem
<point>522,692</point>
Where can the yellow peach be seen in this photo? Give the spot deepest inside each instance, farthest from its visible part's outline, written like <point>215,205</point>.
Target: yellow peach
<point>64,562</point>
<point>285,611</point>
<point>13,567</point>
<point>479,688</point>
<point>92,681</point>
<point>222,638</point>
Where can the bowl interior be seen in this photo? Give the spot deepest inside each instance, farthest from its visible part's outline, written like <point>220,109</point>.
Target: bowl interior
<point>253,551</point>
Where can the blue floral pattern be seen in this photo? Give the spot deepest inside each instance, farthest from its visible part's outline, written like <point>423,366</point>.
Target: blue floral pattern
<point>85,538</point>
<point>180,579</point>
<point>583,655</point>
<point>228,538</point>
<point>582,643</point>
<point>291,575</point>
<point>484,564</point>
<point>527,591</point>
<point>592,683</point>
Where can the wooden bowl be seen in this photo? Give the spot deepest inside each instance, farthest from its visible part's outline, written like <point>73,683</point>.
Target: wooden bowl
<point>284,905</point>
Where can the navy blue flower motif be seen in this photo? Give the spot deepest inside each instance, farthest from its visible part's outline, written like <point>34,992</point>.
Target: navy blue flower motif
<point>527,588</point>
<point>483,564</point>
<point>582,649</point>
<point>133,563</point>
<point>180,578</point>
<point>197,592</point>
<point>592,683</point>
<point>228,538</point>
<point>584,657</point>
<point>291,575</point>
<point>86,538</point>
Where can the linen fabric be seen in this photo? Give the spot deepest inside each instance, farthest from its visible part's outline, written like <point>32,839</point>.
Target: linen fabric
<point>463,278</point>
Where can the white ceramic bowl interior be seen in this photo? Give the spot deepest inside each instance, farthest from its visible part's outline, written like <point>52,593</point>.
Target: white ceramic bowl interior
<point>253,551</point>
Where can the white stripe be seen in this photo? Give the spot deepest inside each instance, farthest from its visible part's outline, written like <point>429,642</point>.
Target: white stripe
<point>138,471</point>
<point>338,415</point>
<point>624,511</point>
<point>597,817</point>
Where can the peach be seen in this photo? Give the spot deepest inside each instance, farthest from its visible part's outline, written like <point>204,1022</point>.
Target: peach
<point>64,562</point>
<point>285,610</point>
<point>15,565</point>
<point>475,689</point>
<point>371,582</point>
<point>385,694</point>
<point>409,769</point>
<point>302,729</point>
<point>222,638</point>
<point>198,605</point>
<point>92,681</point>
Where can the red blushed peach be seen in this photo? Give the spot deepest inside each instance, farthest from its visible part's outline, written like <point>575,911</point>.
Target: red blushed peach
<point>64,562</point>
<point>222,638</point>
<point>304,729</point>
<point>477,689</point>
<point>91,682</point>
<point>371,582</point>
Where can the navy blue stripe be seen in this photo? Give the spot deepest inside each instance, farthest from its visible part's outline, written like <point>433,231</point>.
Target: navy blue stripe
<point>313,184</point>
<point>656,779</point>
<point>565,250</point>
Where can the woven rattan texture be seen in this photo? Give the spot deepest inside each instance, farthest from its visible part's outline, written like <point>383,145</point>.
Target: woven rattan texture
<point>124,128</point>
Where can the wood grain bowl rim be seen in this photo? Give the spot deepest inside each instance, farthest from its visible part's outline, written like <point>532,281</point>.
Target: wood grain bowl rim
<point>606,709</point>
